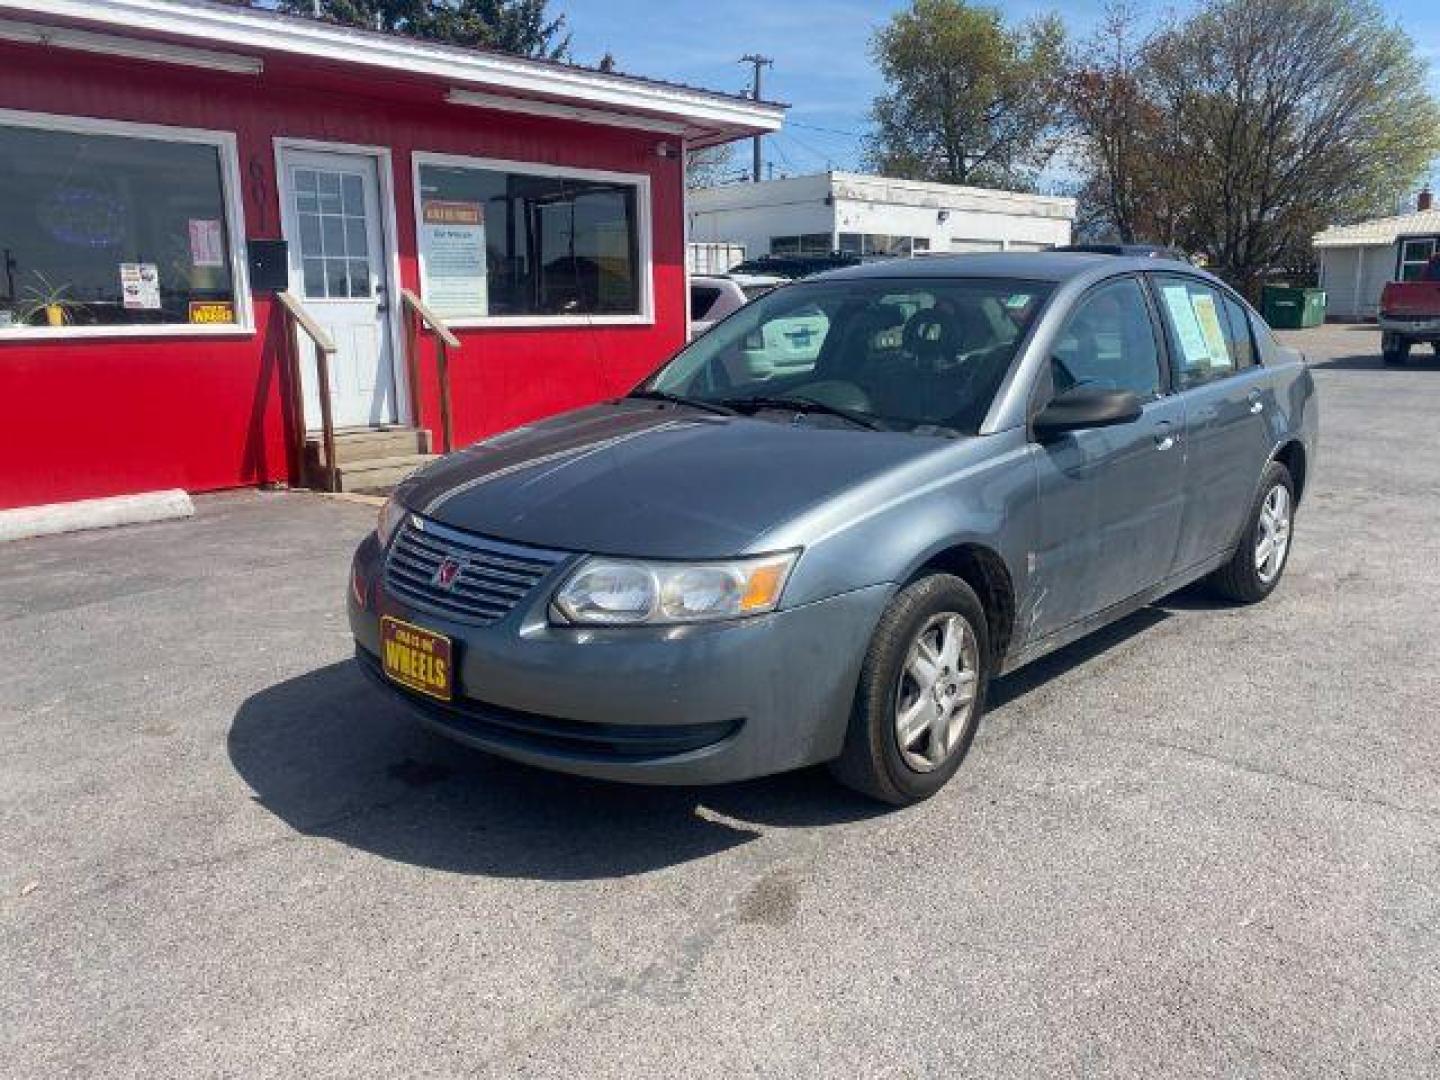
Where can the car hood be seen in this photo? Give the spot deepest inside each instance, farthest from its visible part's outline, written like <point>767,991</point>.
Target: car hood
<point>633,478</point>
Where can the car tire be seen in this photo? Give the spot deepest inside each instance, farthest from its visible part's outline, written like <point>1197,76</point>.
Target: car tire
<point>1248,578</point>
<point>874,761</point>
<point>1394,350</point>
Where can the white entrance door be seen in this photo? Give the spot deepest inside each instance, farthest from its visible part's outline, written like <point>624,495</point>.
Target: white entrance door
<point>337,268</point>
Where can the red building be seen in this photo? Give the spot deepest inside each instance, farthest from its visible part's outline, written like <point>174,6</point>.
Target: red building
<point>153,152</point>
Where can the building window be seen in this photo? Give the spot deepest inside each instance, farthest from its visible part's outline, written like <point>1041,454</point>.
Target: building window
<point>882,244</point>
<point>1414,255</point>
<point>806,244</point>
<point>107,226</point>
<point>500,240</point>
<point>964,244</point>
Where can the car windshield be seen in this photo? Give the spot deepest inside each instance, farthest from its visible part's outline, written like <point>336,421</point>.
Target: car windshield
<point>922,355</point>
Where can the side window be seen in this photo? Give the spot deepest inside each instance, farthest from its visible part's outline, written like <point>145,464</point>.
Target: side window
<point>702,299</point>
<point>1204,348</point>
<point>1241,334</point>
<point>1109,343</point>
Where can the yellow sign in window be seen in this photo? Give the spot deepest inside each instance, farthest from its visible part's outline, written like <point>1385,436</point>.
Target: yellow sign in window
<point>212,312</point>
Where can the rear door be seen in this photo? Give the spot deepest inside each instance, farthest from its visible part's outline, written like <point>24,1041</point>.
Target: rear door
<point>1109,499</point>
<point>1227,397</point>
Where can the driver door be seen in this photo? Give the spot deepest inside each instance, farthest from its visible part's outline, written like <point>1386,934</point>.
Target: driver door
<point>1110,499</point>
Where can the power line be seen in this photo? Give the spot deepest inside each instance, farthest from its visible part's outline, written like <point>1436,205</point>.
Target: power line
<point>827,130</point>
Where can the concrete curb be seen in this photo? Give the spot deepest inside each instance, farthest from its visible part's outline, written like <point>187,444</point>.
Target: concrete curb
<point>53,518</point>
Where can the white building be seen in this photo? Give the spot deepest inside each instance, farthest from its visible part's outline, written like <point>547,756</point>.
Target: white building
<point>1357,260</point>
<point>867,215</point>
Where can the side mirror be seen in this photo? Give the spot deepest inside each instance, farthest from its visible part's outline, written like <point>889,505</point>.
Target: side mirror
<point>1085,407</point>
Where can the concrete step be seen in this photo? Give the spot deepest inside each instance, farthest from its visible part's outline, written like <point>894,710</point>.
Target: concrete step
<point>369,445</point>
<point>378,474</point>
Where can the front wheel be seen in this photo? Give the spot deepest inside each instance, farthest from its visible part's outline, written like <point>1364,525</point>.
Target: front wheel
<point>1394,349</point>
<point>1254,570</point>
<point>921,693</point>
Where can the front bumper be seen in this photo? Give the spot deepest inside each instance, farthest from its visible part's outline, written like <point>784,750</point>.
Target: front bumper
<point>664,705</point>
<point>1427,329</point>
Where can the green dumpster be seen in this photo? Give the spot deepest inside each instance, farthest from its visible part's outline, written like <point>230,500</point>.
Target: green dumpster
<point>1288,308</point>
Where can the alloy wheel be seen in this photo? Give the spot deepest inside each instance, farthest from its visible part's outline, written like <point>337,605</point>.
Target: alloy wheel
<point>1273,541</point>
<point>936,691</point>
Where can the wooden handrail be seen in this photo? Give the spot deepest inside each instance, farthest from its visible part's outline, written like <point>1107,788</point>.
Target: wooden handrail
<point>307,322</point>
<point>431,319</point>
<point>296,315</point>
<point>417,312</point>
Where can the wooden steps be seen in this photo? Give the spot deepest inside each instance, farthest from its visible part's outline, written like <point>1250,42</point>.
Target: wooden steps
<point>370,459</point>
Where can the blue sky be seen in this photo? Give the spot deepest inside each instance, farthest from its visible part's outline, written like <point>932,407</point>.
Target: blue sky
<point>822,67</point>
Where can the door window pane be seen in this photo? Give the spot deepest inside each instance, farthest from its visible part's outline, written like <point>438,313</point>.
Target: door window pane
<point>315,278</point>
<point>516,244</point>
<point>333,230</point>
<point>1202,344</point>
<point>359,278</point>
<point>354,195</point>
<point>1239,332</point>
<point>334,243</point>
<point>1109,343</point>
<point>111,230</point>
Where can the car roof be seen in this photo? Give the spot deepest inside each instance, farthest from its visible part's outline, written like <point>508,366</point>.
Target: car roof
<point>1028,265</point>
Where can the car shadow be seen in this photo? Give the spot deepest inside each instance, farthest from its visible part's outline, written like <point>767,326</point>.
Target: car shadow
<point>1015,686</point>
<point>1371,361</point>
<point>333,758</point>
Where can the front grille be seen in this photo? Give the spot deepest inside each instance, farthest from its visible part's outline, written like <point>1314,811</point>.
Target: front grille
<point>493,576</point>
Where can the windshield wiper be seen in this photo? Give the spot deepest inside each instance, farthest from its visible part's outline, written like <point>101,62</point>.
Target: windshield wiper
<point>806,405</point>
<point>681,399</point>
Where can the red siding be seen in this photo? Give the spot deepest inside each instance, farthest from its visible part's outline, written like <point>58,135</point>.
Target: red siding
<point>100,417</point>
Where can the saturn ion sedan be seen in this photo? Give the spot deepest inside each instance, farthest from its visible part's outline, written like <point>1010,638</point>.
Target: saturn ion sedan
<point>744,567</point>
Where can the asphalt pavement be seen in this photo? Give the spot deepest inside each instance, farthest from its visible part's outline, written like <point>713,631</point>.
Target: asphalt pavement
<point>1204,843</point>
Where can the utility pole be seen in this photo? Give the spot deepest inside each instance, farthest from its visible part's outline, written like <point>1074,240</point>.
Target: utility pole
<point>759,62</point>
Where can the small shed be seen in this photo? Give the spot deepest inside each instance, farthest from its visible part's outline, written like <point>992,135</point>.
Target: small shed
<point>1357,260</point>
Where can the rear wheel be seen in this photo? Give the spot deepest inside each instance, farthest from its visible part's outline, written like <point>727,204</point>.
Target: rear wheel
<point>1394,349</point>
<point>921,693</point>
<point>1254,570</point>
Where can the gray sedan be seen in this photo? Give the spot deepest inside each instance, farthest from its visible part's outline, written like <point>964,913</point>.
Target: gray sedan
<point>752,563</point>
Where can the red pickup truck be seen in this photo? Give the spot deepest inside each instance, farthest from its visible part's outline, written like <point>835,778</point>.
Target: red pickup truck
<point>1409,313</point>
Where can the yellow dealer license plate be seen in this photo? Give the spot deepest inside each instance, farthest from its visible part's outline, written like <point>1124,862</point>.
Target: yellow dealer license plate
<point>416,658</point>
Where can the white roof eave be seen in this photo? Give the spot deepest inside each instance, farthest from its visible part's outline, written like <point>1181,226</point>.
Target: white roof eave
<point>708,118</point>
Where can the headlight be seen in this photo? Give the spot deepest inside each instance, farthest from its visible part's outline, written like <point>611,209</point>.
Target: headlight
<point>391,515</point>
<point>623,592</point>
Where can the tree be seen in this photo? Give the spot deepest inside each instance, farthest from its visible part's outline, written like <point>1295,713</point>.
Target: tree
<point>1122,146</point>
<point>523,27</point>
<point>970,100</point>
<point>711,166</point>
<point>1254,124</point>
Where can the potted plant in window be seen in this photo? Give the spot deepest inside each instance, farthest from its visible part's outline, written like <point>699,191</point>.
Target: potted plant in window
<point>47,299</point>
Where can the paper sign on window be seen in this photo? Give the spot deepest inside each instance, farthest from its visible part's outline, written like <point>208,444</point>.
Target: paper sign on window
<point>1187,326</point>
<point>1208,316</point>
<point>452,253</point>
<point>207,247</point>
<point>140,286</point>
